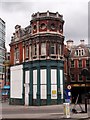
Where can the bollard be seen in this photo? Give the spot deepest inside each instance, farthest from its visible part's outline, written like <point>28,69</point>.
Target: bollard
<point>66,110</point>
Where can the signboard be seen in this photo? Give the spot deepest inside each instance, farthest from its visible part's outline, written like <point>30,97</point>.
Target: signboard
<point>68,96</point>
<point>69,87</point>
<point>80,85</point>
<point>54,93</point>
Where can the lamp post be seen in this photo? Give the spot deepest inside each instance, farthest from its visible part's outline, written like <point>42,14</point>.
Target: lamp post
<point>67,56</point>
<point>67,84</point>
<point>85,73</point>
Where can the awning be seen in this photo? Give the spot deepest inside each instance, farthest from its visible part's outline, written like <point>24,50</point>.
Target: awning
<point>6,87</point>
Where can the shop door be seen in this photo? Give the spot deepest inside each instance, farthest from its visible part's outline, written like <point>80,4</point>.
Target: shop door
<point>27,87</point>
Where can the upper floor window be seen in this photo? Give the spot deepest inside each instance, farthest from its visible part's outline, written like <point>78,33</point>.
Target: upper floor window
<point>34,49</point>
<point>59,49</point>
<point>43,26</point>
<point>61,28</point>
<point>52,48</point>
<point>80,63</point>
<point>1,68</point>
<point>2,44</point>
<point>79,52</point>
<point>82,52</point>
<point>88,78</point>
<point>2,52</point>
<point>80,77</point>
<point>72,63</point>
<point>53,26</point>
<point>27,52</point>
<point>76,52</point>
<point>35,27</point>
<point>16,54</point>
<point>43,48</point>
<point>72,77</point>
<point>87,63</point>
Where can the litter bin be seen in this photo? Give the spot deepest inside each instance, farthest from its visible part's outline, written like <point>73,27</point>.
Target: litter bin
<point>66,110</point>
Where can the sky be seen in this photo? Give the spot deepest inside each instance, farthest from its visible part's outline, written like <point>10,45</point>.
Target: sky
<point>75,15</point>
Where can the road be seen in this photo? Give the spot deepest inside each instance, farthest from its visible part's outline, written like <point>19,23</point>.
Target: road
<point>51,111</point>
<point>13,109</point>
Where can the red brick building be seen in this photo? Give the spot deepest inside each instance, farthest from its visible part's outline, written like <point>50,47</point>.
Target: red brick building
<point>78,59</point>
<point>36,59</point>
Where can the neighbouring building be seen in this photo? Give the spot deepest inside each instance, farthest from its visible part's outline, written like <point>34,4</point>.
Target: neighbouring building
<point>78,59</point>
<point>36,59</point>
<point>7,68</point>
<point>2,51</point>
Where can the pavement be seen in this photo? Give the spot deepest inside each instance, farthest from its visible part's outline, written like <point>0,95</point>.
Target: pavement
<point>44,114</point>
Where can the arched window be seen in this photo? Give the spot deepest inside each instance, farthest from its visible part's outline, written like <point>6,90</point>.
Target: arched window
<point>53,27</point>
<point>61,28</point>
<point>80,52</point>
<point>43,26</point>
<point>34,27</point>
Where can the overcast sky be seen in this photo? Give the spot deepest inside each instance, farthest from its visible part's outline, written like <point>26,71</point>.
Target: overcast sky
<point>75,15</point>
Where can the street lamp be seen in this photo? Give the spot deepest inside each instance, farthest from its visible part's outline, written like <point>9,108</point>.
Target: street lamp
<point>85,73</point>
<point>67,56</point>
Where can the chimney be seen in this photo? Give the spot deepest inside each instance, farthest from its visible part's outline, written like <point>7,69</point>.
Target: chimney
<point>69,43</point>
<point>82,42</point>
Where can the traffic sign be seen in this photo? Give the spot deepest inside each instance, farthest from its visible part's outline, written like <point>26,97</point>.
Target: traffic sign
<point>69,87</point>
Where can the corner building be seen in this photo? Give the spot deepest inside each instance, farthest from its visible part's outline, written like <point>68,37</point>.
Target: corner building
<point>37,67</point>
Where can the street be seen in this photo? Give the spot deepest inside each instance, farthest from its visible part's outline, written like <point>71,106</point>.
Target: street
<point>39,112</point>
